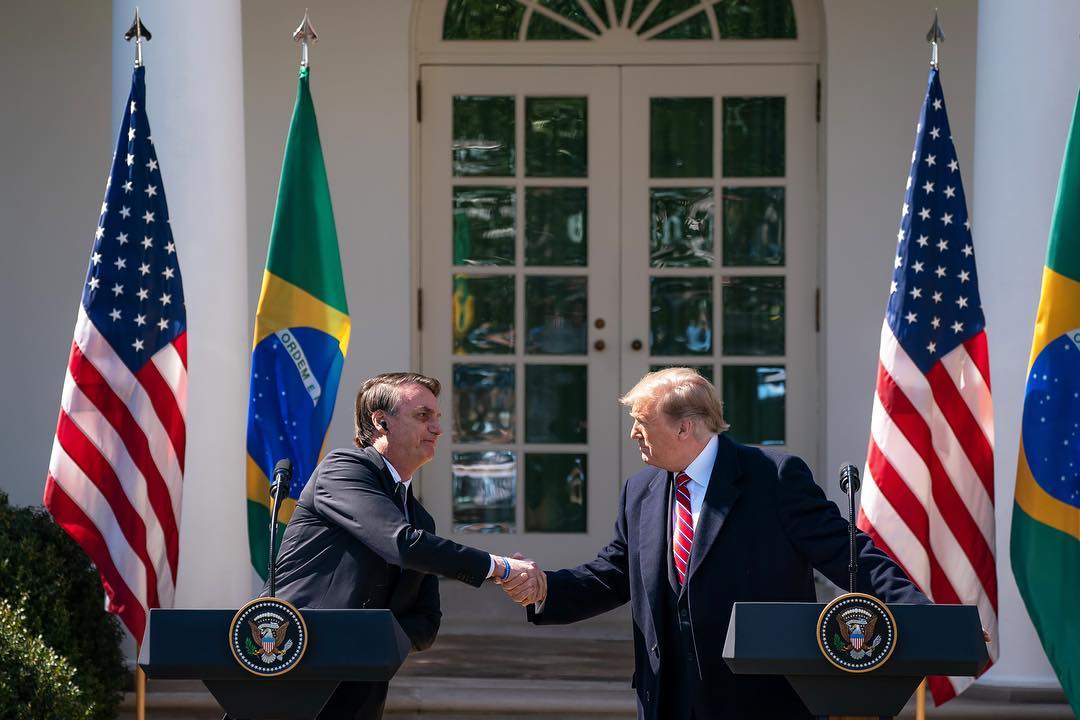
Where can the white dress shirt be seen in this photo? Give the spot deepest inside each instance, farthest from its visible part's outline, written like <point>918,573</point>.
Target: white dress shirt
<point>700,470</point>
<point>398,481</point>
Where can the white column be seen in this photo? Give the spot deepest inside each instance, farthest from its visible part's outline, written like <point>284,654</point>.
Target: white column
<point>195,94</point>
<point>1025,89</point>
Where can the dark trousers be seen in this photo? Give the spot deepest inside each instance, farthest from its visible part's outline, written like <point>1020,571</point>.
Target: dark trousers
<point>356,701</point>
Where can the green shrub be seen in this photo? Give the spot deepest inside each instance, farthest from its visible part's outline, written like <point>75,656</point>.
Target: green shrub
<point>49,577</point>
<point>35,682</point>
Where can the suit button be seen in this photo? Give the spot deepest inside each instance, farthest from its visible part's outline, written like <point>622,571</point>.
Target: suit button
<point>684,614</point>
<point>648,696</point>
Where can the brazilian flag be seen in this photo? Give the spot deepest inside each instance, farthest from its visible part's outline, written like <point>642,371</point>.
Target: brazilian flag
<point>301,330</point>
<point>1046,516</point>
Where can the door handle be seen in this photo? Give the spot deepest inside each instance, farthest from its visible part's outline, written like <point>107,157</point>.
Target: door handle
<point>600,345</point>
<point>635,344</point>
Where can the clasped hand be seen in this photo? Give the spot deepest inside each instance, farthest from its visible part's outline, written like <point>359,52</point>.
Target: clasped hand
<point>526,583</point>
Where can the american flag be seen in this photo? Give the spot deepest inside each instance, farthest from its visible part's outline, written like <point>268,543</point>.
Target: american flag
<point>117,462</point>
<point>928,493</point>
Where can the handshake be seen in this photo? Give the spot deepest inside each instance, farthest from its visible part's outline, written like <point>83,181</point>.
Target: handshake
<point>522,580</point>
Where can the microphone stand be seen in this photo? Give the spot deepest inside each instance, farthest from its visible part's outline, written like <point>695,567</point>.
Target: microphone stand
<point>278,488</point>
<point>849,483</point>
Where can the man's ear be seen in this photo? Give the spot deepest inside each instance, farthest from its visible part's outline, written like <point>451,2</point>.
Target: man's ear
<point>686,428</point>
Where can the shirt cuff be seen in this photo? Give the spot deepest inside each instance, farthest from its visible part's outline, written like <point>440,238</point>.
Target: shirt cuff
<point>491,566</point>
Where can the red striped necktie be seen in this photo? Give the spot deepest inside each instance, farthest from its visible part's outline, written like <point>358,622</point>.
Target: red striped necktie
<point>683,537</point>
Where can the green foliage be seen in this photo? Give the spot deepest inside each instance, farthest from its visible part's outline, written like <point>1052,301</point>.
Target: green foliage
<point>35,682</point>
<point>45,574</point>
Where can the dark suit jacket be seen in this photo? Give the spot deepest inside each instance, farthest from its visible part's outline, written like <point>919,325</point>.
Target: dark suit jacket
<point>348,545</point>
<point>764,524</point>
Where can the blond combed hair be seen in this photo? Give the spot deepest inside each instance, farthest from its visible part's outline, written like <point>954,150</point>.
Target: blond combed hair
<point>680,393</point>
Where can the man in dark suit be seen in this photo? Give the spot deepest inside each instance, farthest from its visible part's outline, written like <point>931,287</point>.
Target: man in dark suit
<point>708,523</point>
<point>359,539</point>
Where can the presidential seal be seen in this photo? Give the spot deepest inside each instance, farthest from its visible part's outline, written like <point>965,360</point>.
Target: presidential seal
<point>268,636</point>
<point>856,633</point>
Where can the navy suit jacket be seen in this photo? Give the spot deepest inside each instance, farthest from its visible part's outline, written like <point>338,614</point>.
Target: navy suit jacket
<point>348,545</point>
<point>764,525</point>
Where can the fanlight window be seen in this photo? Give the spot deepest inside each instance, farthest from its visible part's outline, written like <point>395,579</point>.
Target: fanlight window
<point>592,19</point>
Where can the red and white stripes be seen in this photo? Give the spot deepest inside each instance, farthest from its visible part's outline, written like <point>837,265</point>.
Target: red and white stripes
<point>116,469</point>
<point>928,491</point>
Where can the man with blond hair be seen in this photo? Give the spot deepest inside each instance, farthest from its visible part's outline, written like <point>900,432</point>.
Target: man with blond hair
<point>709,523</point>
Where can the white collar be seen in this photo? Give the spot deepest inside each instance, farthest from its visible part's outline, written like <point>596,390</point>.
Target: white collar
<point>700,470</point>
<point>396,475</point>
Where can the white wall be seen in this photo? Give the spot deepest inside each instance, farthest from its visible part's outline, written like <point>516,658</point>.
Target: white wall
<point>194,94</point>
<point>875,69</point>
<point>361,88</point>
<point>1027,60</point>
<point>56,143</point>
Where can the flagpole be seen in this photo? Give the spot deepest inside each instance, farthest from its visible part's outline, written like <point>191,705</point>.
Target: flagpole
<point>140,689</point>
<point>935,37</point>
<point>139,32</point>
<point>305,34</point>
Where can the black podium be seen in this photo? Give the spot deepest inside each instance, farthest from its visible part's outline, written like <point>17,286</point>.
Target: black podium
<point>781,639</point>
<point>342,645</point>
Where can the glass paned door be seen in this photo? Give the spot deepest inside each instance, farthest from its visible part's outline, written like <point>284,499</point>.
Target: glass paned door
<point>520,275</point>
<point>719,253</point>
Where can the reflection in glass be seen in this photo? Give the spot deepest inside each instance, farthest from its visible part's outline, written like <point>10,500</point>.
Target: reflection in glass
<point>482,19</point>
<point>680,315</point>
<point>484,487</point>
<point>556,142</point>
<point>483,314</point>
<point>706,371</point>
<point>556,226</point>
<point>754,316</point>
<point>483,403</point>
<point>753,136</point>
<point>484,225</point>
<point>754,403</point>
<point>483,135</point>
<point>638,7</point>
<point>753,226</point>
<point>556,312</point>
<point>555,492</point>
<point>695,27</point>
<point>601,10</point>
<point>571,10</point>
<point>680,137</point>
<point>665,11</point>
<point>555,403</point>
<point>541,27</point>
<point>682,227</point>
<point>755,19</point>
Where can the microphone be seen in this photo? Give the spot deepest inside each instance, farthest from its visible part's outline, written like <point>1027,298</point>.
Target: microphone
<point>282,477</point>
<point>849,483</point>
<point>849,474</point>
<point>279,488</point>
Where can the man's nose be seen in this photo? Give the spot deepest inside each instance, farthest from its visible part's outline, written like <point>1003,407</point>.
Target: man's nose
<point>435,428</point>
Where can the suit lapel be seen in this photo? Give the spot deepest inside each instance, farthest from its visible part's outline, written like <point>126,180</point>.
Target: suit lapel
<point>652,547</point>
<point>719,498</point>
